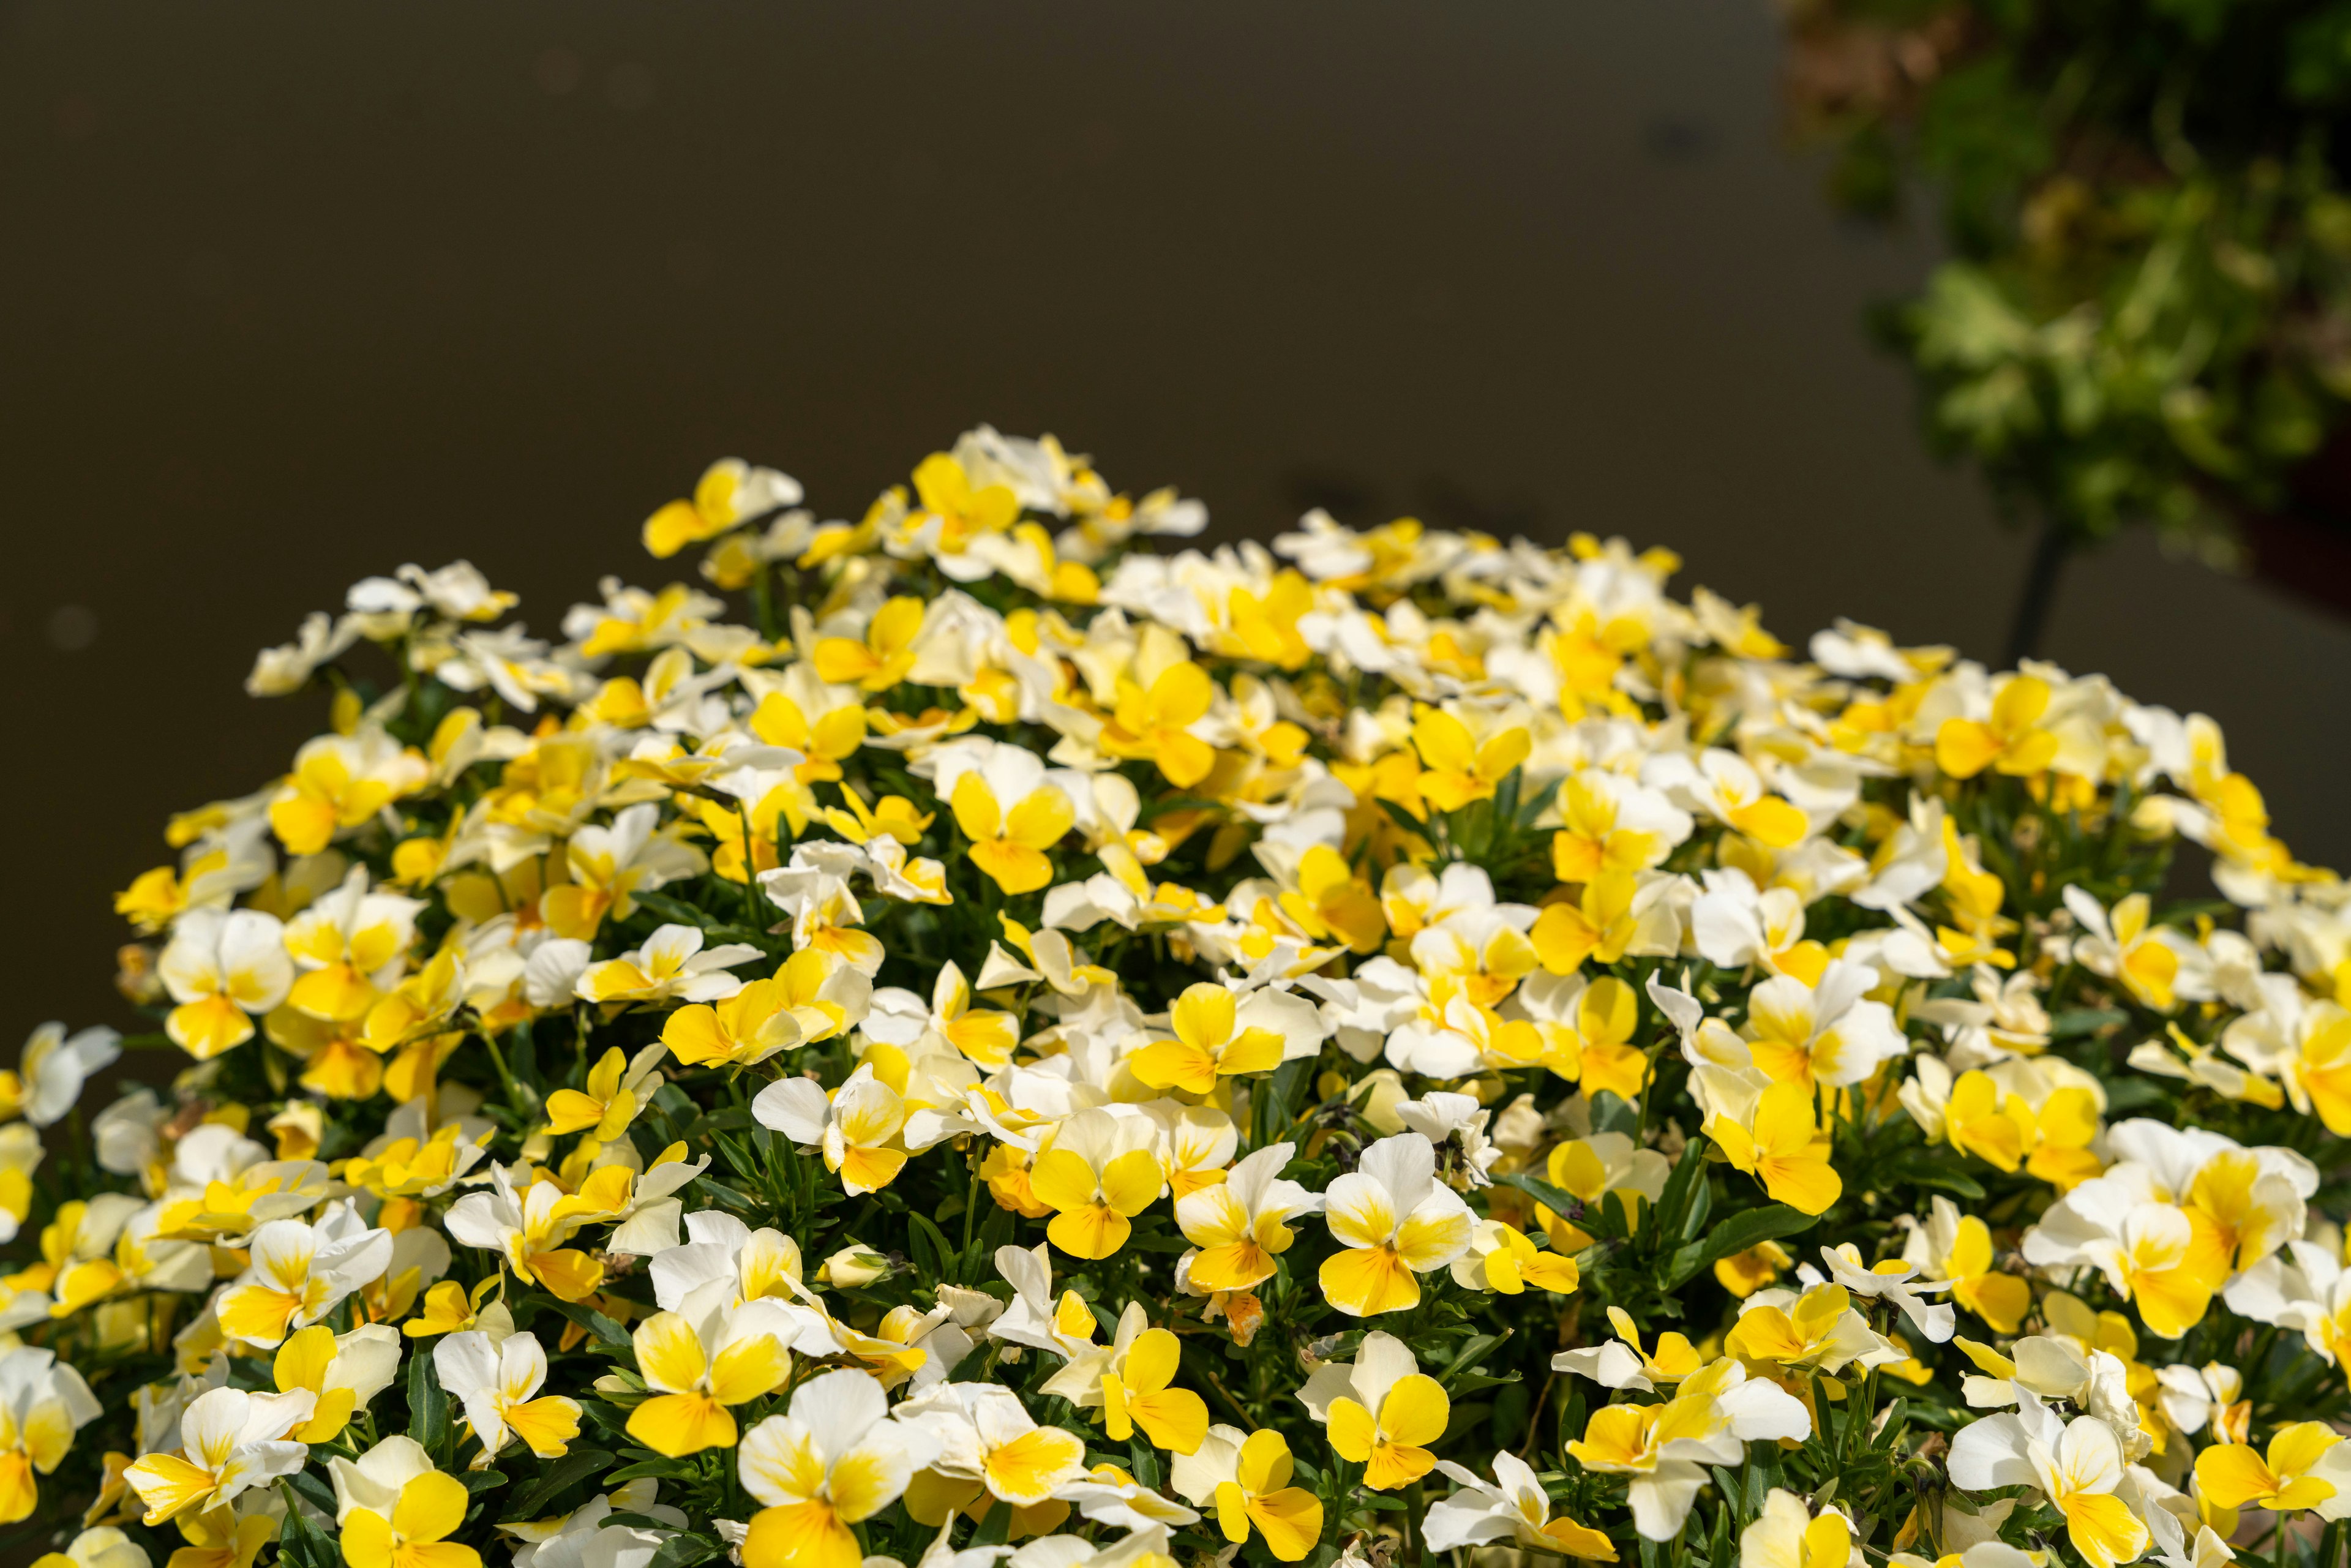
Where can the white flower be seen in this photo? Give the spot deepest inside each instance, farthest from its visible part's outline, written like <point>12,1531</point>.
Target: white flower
<point>1393,1221</point>
<point>296,1273</point>
<point>670,966</point>
<point>1786,1535</point>
<point>229,1441</point>
<point>497,1384</point>
<point>1442,1117</point>
<point>2077,1465</point>
<point>1065,1329</point>
<point>1514,1508</point>
<point>855,1126</point>
<point>834,1459</point>
<point>1892,1280</point>
<point>755,1263</point>
<point>219,966</point>
<point>54,1067</point>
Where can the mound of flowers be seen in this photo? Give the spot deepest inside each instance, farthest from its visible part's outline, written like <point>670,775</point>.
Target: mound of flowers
<point>980,1032</point>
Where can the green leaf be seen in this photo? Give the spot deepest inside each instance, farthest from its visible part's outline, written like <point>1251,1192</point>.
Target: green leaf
<point>2085,1021</point>
<point>1736,1234</point>
<point>1273,1109</point>
<point>1931,1168</point>
<point>1559,1202</point>
<point>919,1226</point>
<point>479,1481</point>
<point>606,1331</point>
<point>1459,1376</point>
<point>733,1118</point>
<point>302,1545</point>
<point>659,1467</point>
<point>684,1550</point>
<point>314,1487</point>
<point>574,1465</point>
<point>728,1196</point>
<point>1674,1199</point>
<point>428,1409</point>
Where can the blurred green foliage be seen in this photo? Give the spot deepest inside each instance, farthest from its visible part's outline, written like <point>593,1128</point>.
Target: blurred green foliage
<point>2146,315</point>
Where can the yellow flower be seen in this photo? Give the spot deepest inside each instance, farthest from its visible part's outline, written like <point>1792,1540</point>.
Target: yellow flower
<point>2302,1470</point>
<point>496,1384</point>
<point>341,781</point>
<point>395,1508</point>
<point>1238,1224</point>
<point>1099,1172</point>
<point>1389,1415</point>
<point>1783,1148</point>
<point>340,1373</point>
<point>963,511</point>
<point>1154,722</point>
<point>882,660</point>
<point>1951,1247</point>
<point>730,493</point>
<point>1501,1258</point>
<point>1599,923</point>
<point>1206,1046</point>
<point>698,1369</point>
<point>1009,844</point>
<point>832,1462</point>
<point>1592,1043</point>
<point>2011,743</point>
<point>616,1090</point>
<point>1744,1273</point>
<point>1458,768</point>
<point>1247,1481</point>
<point>1393,1222</point>
<point>857,1126</point>
<point>1137,1395</point>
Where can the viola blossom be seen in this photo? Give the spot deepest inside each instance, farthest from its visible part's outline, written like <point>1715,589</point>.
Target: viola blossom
<point>1218,1035</point>
<point>1664,1448</point>
<point>1245,1478</point>
<point>1621,1363</point>
<point>702,1361</point>
<point>223,968</point>
<point>1957,1248</point>
<point>1134,1387</point>
<point>1770,1133</point>
<point>985,1436</point>
<point>1396,1222</point>
<point>948,1021</point>
<point>2305,1466</point>
<point>530,1229</point>
<point>50,1071</point>
<point>1513,1507</point>
<point>498,1384</point>
<point>857,1125</point>
<point>1240,1227</point>
<point>1099,1173</point>
<point>1063,1328</point>
<point>1787,1535</point>
<point>299,1272</point>
<point>1382,1411</point>
<point>2077,1464</point>
<point>831,1461</point>
<point>672,965</point>
<point>395,1509</point>
<point>229,1441</point>
<point>341,1372</point>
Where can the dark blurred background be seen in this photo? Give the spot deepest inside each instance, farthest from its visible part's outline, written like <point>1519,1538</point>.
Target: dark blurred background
<point>294,293</point>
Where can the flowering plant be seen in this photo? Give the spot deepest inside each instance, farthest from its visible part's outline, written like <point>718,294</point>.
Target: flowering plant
<point>1398,1044</point>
